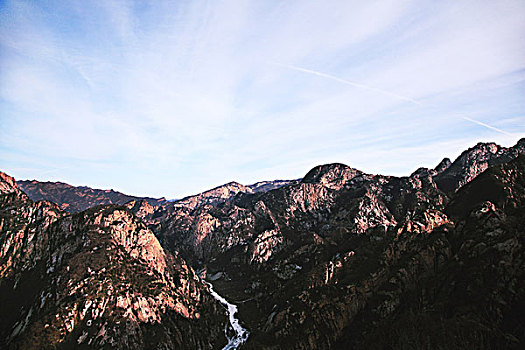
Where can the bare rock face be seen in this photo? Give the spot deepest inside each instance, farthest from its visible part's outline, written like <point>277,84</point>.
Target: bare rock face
<point>340,259</point>
<point>327,262</point>
<point>265,186</point>
<point>227,192</point>
<point>214,196</point>
<point>96,279</point>
<point>474,161</point>
<point>75,199</point>
<point>141,208</point>
<point>333,176</point>
<point>474,295</point>
<point>21,223</point>
<point>7,184</point>
<point>442,166</point>
<point>290,243</point>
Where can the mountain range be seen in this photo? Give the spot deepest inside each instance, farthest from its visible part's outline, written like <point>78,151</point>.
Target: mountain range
<point>74,199</point>
<point>339,259</point>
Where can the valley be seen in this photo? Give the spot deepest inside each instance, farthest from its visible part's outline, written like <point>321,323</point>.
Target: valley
<point>337,259</point>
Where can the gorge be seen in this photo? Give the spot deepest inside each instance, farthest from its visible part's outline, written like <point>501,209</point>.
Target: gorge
<point>241,334</point>
<point>337,259</point>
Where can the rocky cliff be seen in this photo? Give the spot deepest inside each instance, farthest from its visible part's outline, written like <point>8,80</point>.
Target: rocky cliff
<point>74,199</point>
<point>95,279</point>
<point>337,259</point>
<point>473,162</point>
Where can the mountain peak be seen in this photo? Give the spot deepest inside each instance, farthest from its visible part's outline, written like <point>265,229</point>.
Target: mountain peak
<point>74,199</point>
<point>265,186</point>
<point>443,165</point>
<point>331,256</point>
<point>7,183</point>
<point>473,162</point>
<point>333,175</point>
<point>95,279</point>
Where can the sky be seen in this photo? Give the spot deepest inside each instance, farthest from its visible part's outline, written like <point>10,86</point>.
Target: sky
<point>171,98</point>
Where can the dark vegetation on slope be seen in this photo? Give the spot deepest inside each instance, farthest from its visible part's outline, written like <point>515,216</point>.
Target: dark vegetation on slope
<point>75,199</point>
<point>95,279</point>
<point>342,257</point>
<point>345,259</point>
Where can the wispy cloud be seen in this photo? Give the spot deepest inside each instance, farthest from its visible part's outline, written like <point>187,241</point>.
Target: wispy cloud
<point>383,92</point>
<point>169,98</point>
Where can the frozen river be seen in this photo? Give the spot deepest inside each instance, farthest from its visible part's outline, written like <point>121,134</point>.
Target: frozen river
<point>241,334</point>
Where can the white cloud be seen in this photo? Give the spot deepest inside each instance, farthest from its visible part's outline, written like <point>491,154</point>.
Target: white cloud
<point>186,92</point>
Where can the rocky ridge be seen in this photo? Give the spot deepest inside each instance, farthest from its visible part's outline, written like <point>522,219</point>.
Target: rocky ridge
<point>223,193</point>
<point>345,259</point>
<point>316,262</point>
<point>97,279</point>
<point>74,199</point>
<point>473,162</point>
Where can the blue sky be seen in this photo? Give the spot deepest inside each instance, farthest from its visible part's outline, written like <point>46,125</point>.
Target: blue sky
<point>173,98</point>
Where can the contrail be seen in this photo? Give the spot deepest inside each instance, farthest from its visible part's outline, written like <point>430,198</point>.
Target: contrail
<point>381,91</point>
<point>352,83</point>
<point>486,125</point>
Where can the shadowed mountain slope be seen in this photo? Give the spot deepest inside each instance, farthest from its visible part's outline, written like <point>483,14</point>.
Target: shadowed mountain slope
<point>339,259</point>
<point>95,279</point>
<point>330,261</point>
<point>75,199</point>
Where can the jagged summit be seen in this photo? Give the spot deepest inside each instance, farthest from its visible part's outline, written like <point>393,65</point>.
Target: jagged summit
<point>423,172</point>
<point>74,199</point>
<point>214,196</point>
<point>95,279</point>
<point>443,165</point>
<point>500,185</point>
<point>331,175</point>
<point>340,259</point>
<point>7,183</point>
<point>474,161</point>
<point>265,186</point>
<point>326,262</point>
<point>225,192</point>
